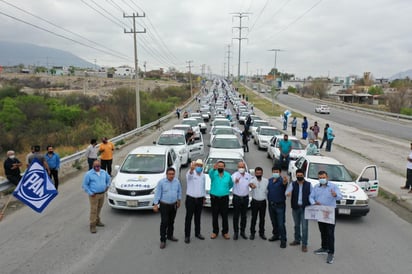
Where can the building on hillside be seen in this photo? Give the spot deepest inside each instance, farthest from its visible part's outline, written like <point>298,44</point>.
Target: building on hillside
<point>125,72</point>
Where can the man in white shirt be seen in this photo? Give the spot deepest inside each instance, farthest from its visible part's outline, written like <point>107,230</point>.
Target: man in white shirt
<point>195,197</point>
<point>408,183</point>
<point>259,186</point>
<point>241,180</point>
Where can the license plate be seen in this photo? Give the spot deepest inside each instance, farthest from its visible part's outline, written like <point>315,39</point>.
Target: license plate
<point>344,211</point>
<point>132,203</point>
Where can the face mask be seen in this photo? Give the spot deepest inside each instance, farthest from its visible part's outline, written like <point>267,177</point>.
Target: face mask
<point>259,177</point>
<point>12,156</point>
<point>97,168</point>
<point>199,169</point>
<point>241,170</point>
<point>275,175</point>
<point>300,179</point>
<point>220,170</point>
<point>322,181</point>
<point>50,152</point>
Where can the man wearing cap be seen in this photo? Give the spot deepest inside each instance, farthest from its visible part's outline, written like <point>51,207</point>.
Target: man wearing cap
<point>12,168</point>
<point>195,196</point>
<point>220,185</point>
<point>241,180</point>
<point>106,155</point>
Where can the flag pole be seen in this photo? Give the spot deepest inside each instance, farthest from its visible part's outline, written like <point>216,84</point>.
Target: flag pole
<point>5,207</point>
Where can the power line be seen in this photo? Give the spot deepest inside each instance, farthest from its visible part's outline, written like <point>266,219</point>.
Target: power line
<point>62,36</point>
<point>259,15</point>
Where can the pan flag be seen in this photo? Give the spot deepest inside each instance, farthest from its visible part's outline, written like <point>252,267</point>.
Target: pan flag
<point>35,189</point>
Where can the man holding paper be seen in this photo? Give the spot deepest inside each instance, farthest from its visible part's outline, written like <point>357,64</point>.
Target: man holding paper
<point>326,193</point>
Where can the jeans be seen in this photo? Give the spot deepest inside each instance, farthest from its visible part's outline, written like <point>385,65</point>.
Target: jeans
<point>300,222</point>
<point>194,206</point>
<point>323,141</point>
<point>167,215</point>
<point>220,206</point>
<point>277,216</point>
<point>240,205</point>
<point>329,144</point>
<point>107,165</point>
<point>258,207</point>
<point>327,235</point>
<point>293,131</point>
<point>284,161</point>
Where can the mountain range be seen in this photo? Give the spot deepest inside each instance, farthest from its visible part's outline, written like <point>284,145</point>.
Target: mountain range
<point>15,53</point>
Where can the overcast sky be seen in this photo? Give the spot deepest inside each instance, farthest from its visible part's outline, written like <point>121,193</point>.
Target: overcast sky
<point>317,37</point>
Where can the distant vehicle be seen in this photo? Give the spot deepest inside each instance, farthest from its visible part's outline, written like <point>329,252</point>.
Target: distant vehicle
<point>134,185</point>
<point>323,109</point>
<point>355,194</point>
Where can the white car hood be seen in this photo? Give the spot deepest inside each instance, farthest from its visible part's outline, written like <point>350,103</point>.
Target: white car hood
<point>349,190</point>
<point>296,153</point>
<point>265,138</point>
<point>222,150</point>
<point>137,181</point>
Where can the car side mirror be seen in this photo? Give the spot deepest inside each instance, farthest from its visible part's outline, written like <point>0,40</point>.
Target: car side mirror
<point>154,142</point>
<point>116,167</point>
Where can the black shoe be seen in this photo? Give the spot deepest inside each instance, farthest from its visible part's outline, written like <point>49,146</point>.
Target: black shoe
<point>200,237</point>
<point>283,245</point>
<point>243,235</point>
<point>173,239</point>
<point>235,236</point>
<point>273,238</point>
<point>263,237</point>
<point>252,237</point>
<point>187,240</point>
<point>162,245</point>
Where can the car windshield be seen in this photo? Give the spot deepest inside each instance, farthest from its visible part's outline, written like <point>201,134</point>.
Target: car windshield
<point>230,164</point>
<point>260,123</point>
<point>192,123</point>
<point>295,145</point>
<point>226,143</point>
<point>171,139</point>
<point>221,123</point>
<point>269,131</point>
<point>337,173</point>
<point>185,129</point>
<point>218,131</point>
<point>143,164</point>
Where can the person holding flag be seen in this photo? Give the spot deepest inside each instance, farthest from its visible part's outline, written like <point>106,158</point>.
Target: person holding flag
<point>95,184</point>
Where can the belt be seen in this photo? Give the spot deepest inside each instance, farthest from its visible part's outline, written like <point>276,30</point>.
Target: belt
<point>100,192</point>
<point>219,197</point>
<point>191,197</point>
<point>241,197</point>
<point>168,203</point>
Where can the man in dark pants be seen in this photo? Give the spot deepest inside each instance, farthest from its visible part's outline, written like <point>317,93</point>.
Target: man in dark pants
<point>220,185</point>
<point>259,186</point>
<point>53,161</point>
<point>241,180</point>
<point>12,168</point>
<point>408,182</point>
<point>168,195</point>
<point>325,135</point>
<point>277,205</point>
<point>195,196</point>
<point>326,193</point>
<point>299,191</point>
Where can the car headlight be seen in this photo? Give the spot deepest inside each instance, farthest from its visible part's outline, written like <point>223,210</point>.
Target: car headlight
<point>362,202</point>
<point>112,188</point>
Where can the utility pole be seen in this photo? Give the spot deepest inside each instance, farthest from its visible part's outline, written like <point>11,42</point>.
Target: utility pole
<point>189,65</point>
<point>228,61</point>
<point>276,55</point>
<point>224,69</point>
<point>247,70</point>
<point>240,15</point>
<point>144,65</point>
<point>136,68</point>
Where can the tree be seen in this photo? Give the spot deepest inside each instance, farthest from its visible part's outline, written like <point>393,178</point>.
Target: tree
<point>319,88</point>
<point>375,90</point>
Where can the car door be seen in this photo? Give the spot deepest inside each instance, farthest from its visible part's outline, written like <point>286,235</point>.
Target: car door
<point>196,147</point>
<point>368,180</point>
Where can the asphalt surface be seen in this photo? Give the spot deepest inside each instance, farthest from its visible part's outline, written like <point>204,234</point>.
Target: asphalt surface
<point>59,241</point>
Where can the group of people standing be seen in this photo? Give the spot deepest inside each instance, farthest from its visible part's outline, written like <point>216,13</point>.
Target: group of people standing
<point>265,193</point>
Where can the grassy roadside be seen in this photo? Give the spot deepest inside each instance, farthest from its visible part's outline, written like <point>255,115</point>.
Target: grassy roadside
<point>263,104</point>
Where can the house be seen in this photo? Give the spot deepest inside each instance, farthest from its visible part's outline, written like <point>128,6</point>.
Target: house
<point>125,72</point>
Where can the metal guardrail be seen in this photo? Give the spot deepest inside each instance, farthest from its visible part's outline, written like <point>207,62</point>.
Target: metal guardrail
<point>5,184</point>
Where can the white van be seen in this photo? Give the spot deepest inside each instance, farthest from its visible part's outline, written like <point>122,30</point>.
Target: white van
<point>136,180</point>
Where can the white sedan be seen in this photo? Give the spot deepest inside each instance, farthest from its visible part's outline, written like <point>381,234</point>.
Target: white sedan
<point>263,134</point>
<point>226,143</point>
<point>273,151</point>
<point>322,109</point>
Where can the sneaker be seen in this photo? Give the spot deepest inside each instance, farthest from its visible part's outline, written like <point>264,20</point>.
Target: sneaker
<point>330,258</point>
<point>321,251</point>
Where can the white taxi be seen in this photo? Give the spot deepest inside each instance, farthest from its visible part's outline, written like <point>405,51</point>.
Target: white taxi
<point>136,180</point>
<point>273,151</point>
<point>355,201</point>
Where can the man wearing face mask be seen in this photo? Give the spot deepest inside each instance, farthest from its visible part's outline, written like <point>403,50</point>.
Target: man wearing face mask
<point>299,192</point>
<point>95,184</point>
<point>195,197</point>
<point>285,147</point>
<point>220,185</point>
<point>326,193</point>
<point>311,148</point>
<point>241,180</point>
<point>259,186</point>
<point>12,168</point>
<point>53,161</point>
<point>277,205</point>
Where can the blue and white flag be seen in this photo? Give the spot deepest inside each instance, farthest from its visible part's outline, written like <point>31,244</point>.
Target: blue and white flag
<point>35,189</point>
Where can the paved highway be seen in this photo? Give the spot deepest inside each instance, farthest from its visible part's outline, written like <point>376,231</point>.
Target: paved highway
<point>59,241</point>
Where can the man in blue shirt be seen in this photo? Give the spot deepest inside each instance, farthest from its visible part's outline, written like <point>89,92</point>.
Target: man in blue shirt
<point>326,193</point>
<point>329,138</point>
<point>53,161</point>
<point>95,183</point>
<point>277,206</point>
<point>168,194</point>
<point>220,185</point>
<point>305,125</point>
<point>285,147</point>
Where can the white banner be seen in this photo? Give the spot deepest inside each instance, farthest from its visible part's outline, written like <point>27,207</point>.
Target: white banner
<point>320,213</point>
